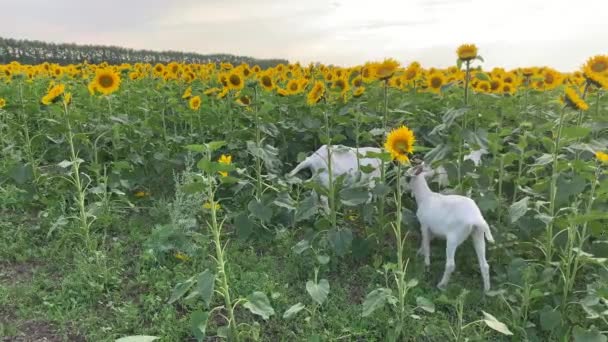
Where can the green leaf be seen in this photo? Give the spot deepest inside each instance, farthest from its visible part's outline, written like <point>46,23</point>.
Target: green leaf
<point>375,300</point>
<point>198,324</point>
<point>582,335</point>
<point>482,76</point>
<point>244,226</point>
<point>306,208</point>
<point>381,189</point>
<point>137,338</point>
<point>259,210</point>
<point>180,290</point>
<point>258,304</point>
<point>195,148</point>
<point>21,173</point>
<point>459,63</point>
<point>354,196</point>
<point>425,304</point>
<point>205,286</point>
<point>575,132</point>
<point>549,319</point>
<point>341,240</point>
<point>215,145</point>
<point>283,200</point>
<point>293,310</point>
<point>518,209</point>
<point>214,167</point>
<point>318,292</point>
<point>301,246</point>
<point>544,159</point>
<point>323,259</point>
<point>495,324</point>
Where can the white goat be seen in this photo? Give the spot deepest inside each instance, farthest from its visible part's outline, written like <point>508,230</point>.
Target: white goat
<point>451,217</point>
<point>343,161</point>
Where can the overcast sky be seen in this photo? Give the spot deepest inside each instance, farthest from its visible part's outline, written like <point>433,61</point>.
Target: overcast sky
<point>509,33</point>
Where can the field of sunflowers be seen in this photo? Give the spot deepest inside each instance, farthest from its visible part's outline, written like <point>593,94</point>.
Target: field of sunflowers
<point>145,202</point>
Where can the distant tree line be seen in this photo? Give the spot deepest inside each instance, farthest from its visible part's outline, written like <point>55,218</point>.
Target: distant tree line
<point>35,52</point>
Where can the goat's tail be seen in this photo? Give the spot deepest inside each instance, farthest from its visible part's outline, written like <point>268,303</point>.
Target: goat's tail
<point>483,226</point>
<point>303,165</point>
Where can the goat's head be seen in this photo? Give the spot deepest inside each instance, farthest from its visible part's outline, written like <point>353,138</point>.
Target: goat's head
<point>419,168</point>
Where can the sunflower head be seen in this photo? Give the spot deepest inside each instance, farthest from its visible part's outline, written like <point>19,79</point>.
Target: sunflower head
<point>293,86</point>
<point>572,99</point>
<point>226,160</point>
<point>106,81</point>
<point>386,69</point>
<point>2,103</point>
<point>316,93</point>
<point>195,102</point>
<point>212,91</point>
<point>597,64</point>
<point>244,101</point>
<point>399,143</point>
<point>53,94</point>
<point>187,93</point>
<point>266,81</point>
<point>602,157</point>
<point>235,80</point>
<point>435,81</point>
<point>359,91</point>
<point>467,52</point>
<point>483,87</point>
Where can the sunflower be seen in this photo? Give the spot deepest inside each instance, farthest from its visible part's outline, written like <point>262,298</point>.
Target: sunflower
<point>552,78</point>
<point>244,101</point>
<point>316,93</point>
<point>598,80</point>
<point>67,99</point>
<point>187,93</point>
<point>53,93</point>
<point>91,88</point>
<point>467,52</point>
<point>483,87</point>
<point>212,91</point>
<point>195,102</point>
<point>134,75</point>
<point>235,80</point>
<point>159,69</point>
<point>386,69</point>
<point>357,82</point>
<point>368,72</point>
<point>359,91</point>
<point>2,103</point>
<point>256,69</point>
<point>596,64</point>
<point>216,206</point>
<point>226,160</point>
<point>399,143</point>
<point>223,93</point>
<point>601,156</point>
<point>181,256</point>
<point>282,92</point>
<point>435,81</point>
<point>293,87</point>
<point>507,89</point>
<point>496,85</point>
<point>266,81</point>
<point>106,81</point>
<point>572,99</point>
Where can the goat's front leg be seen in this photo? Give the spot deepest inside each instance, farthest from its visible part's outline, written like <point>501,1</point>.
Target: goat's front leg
<point>479,243</point>
<point>450,265</point>
<point>425,245</point>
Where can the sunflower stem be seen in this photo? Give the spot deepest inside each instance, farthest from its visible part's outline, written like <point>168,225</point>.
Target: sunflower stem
<point>331,190</point>
<point>26,134</point>
<point>258,142</point>
<point>466,82</point>
<point>553,189</point>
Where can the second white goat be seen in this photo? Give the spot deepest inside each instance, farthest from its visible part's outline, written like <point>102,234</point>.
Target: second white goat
<point>343,161</point>
<point>450,217</point>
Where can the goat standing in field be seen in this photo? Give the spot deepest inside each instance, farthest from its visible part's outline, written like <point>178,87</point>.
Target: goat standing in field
<point>453,218</point>
<point>343,161</point>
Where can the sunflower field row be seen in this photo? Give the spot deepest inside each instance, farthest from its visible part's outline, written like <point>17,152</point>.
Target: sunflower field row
<point>156,200</point>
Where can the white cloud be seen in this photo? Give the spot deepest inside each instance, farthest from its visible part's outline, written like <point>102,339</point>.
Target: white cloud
<point>512,33</point>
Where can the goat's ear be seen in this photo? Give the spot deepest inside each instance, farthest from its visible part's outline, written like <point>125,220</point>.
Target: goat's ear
<point>418,170</point>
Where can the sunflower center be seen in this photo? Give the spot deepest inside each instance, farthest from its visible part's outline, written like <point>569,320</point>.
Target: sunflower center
<point>106,81</point>
<point>435,82</point>
<point>293,86</point>
<point>235,80</point>
<point>599,67</point>
<point>401,146</point>
<point>266,81</point>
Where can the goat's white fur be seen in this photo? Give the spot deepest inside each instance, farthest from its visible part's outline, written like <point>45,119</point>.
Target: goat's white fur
<point>450,217</point>
<point>343,161</point>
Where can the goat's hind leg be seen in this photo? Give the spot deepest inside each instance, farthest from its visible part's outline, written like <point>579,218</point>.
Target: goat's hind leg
<point>450,265</point>
<point>479,243</point>
<point>425,245</point>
